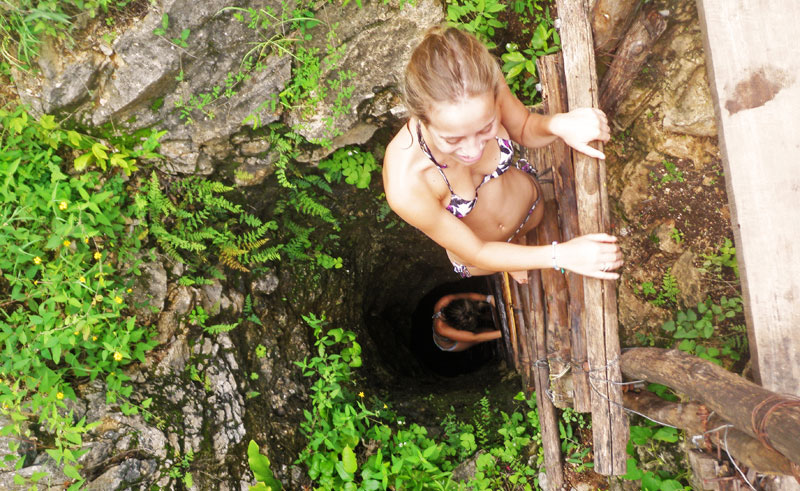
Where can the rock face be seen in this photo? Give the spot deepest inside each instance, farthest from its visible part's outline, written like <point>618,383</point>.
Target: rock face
<point>180,68</point>
<point>209,100</point>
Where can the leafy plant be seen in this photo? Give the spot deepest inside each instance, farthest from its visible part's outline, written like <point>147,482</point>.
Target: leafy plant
<point>354,165</point>
<point>355,444</point>
<point>24,23</point>
<point>67,267</point>
<point>724,257</point>
<point>690,325</point>
<point>676,235</point>
<point>519,66</point>
<point>671,174</point>
<point>478,17</point>
<point>651,437</point>
<point>666,295</point>
<point>260,465</point>
<point>196,218</point>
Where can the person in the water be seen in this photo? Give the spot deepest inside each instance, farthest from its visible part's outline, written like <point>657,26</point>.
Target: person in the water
<point>462,320</point>
<point>456,148</point>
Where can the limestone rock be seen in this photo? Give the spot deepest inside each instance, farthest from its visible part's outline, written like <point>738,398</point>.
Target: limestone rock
<point>666,240</point>
<point>689,280</point>
<point>377,35</point>
<point>264,285</point>
<point>636,313</point>
<point>129,472</point>
<point>636,189</point>
<point>694,113</point>
<point>149,291</point>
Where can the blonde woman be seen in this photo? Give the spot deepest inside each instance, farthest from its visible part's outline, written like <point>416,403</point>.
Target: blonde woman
<point>451,170</point>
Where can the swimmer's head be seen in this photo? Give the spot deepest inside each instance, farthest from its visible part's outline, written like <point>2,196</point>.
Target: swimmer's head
<point>468,315</point>
<point>448,66</point>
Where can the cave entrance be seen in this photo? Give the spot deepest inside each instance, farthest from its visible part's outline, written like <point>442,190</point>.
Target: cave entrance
<point>449,364</point>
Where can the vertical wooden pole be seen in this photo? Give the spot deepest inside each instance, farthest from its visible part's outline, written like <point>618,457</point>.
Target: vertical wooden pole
<point>551,76</point>
<point>523,334</point>
<point>609,422</point>
<point>556,295</point>
<point>547,412</point>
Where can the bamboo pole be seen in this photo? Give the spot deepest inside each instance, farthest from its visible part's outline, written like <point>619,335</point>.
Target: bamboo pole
<point>512,323</point>
<point>500,311</point>
<point>609,422</point>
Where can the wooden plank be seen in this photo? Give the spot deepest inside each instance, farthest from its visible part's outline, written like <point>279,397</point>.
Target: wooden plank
<point>754,70</point>
<point>525,357</point>
<point>547,412</point>
<point>554,94</point>
<point>609,422</point>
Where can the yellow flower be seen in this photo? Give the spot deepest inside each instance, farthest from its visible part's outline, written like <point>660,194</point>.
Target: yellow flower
<point>97,255</point>
<point>129,290</point>
<point>82,279</point>
<point>118,299</point>
<point>94,338</point>
<point>37,260</point>
<point>361,395</point>
<point>385,406</point>
<point>59,395</point>
<point>76,333</point>
<point>35,282</point>
<point>67,243</point>
<point>62,206</point>
<point>117,356</point>
<point>86,240</point>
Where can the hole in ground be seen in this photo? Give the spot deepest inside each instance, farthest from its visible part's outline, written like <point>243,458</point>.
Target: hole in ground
<point>449,364</point>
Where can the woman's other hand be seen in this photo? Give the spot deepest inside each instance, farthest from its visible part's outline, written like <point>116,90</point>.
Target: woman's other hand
<point>581,126</point>
<point>593,255</point>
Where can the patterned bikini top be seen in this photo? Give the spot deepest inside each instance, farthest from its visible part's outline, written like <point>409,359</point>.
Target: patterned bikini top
<point>459,206</point>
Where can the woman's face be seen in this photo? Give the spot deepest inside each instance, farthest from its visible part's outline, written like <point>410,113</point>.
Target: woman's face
<point>462,129</point>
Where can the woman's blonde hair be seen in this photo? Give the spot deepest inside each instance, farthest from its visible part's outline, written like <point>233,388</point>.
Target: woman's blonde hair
<point>447,66</point>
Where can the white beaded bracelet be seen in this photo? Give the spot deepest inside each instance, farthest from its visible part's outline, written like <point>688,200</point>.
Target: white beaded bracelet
<point>555,266</point>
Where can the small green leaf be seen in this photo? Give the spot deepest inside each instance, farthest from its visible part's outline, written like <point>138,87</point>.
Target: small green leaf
<point>349,460</point>
<point>82,161</point>
<point>99,151</point>
<point>71,472</point>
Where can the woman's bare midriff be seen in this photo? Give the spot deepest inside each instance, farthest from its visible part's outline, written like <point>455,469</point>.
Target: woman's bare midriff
<point>503,204</point>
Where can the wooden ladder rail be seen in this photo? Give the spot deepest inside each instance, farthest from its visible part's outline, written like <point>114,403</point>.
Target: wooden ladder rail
<point>609,421</point>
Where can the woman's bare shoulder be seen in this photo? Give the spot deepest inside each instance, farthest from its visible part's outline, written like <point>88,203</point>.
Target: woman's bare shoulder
<point>407,172</point>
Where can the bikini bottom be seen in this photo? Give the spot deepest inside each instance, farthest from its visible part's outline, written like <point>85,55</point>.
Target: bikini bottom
<point>437,338</point>
<point>462,270</point>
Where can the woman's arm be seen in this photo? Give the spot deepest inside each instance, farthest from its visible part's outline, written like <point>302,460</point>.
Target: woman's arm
<point>443,329</point>
<point>577,128</point>
<point>586,255</point>
<point>445,300</point>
